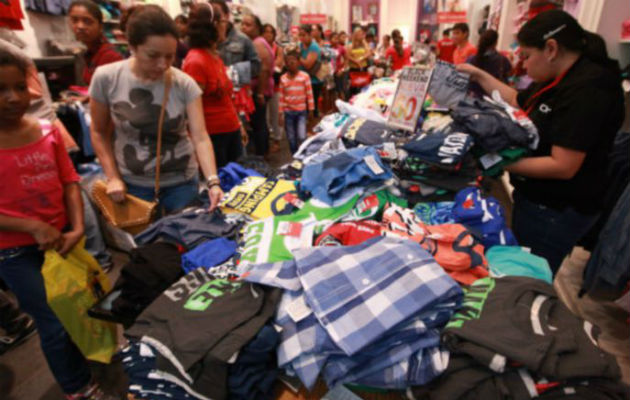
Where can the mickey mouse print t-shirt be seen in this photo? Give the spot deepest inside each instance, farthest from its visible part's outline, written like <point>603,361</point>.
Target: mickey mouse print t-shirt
<point>135,109</point>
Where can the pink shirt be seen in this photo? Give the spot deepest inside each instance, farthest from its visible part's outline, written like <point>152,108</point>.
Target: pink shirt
<point>269,91</point>
<point>32,179</point>
<point>296,94</point>
<point>461,54</point>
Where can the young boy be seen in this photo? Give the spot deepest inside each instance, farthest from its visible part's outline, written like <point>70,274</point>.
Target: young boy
<point>296,100</point>
<point>463,48</point>
<point>40,200</point>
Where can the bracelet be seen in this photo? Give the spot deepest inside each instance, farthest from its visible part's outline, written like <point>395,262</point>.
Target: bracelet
<point>212,181</point>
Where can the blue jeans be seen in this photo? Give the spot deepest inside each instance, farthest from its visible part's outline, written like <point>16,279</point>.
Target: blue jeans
<point>20,268</point>
<point>295,127</point>
<point>550,233</point>
<point>172,198</point>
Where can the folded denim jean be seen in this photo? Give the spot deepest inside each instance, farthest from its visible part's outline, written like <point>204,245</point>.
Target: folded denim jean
<point>344,174</point>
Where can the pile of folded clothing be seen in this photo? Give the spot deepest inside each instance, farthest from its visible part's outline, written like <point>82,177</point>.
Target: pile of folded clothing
<point>502,134</point>
<point>515,339</point>
<point>436,165</point>
<point>198,326</point>
<point>367,314</point>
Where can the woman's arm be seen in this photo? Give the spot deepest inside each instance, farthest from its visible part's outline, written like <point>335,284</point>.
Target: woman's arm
<point>279,58</point>
<point>101,134</point>
<point>489,83</point>
<point>309,61</point>
<point>74,209</point>
<point>203,148</point>
<point>263,76</point>
<point>563,163</point>
<point>46,236</point>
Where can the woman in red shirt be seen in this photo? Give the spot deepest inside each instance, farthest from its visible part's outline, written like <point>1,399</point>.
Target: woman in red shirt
<point>86,21</point>
<point>204,65</point>
<point>398,55</point>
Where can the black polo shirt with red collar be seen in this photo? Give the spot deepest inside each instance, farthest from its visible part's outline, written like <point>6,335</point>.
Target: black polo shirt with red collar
<point>583,111</point>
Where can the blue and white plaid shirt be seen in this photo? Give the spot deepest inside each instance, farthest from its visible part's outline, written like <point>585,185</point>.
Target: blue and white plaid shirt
<point>382,298</point>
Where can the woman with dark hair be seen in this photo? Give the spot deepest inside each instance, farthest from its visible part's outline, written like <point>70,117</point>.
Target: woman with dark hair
<point>205,66</point>
<point>129,95</point>
<point>262,85</point>
<point>576,102</point>
<point>269,33</point>
<point>310,57</point>
<point>489,60</point>
<point>86,22</point>
<point>317,32</point>
<point>182,47</point>
<point>398,55</point>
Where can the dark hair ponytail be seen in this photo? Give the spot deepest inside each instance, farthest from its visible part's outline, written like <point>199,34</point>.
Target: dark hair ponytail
<point>561,26</point>
<point>202,33</point>
<point>487,40</point>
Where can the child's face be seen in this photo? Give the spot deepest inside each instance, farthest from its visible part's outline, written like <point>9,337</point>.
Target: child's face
<point>293,63</point>
<point>458,36</point>
<point>14,95</point>
<point>86,28</point>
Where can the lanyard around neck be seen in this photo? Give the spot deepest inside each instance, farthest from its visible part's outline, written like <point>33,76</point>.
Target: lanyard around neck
<point>530,102</point>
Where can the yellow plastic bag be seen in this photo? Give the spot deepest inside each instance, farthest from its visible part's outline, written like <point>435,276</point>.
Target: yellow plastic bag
<point>73,285</point>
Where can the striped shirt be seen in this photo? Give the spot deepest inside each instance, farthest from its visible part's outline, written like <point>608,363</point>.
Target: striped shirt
<point>296,94</point>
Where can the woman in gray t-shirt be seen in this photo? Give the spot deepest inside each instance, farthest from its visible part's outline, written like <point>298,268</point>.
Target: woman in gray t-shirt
<point>128,95</point>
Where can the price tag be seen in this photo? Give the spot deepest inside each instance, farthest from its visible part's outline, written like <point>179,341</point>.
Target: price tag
<point>373,165</point>
<point>292,199</point>
<point>298,310</point>
<point>287,228</point>
<point>490,159</point>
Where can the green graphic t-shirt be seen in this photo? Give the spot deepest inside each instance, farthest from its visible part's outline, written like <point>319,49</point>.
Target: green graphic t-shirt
<point>272,239</point>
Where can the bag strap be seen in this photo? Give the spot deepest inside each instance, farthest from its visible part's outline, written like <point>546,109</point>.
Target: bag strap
<point>158,155</point>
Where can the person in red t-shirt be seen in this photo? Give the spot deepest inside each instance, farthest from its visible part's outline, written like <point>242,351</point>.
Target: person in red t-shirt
<point>446,47</point>
<point>464,48</point>
<point>341,65</point>
<point>40,210</point>
<point>399,55</point>
<point>86,21</point>
<point>205,66</point>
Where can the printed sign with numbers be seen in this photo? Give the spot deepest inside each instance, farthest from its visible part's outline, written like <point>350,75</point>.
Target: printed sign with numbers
<point>409,98</point>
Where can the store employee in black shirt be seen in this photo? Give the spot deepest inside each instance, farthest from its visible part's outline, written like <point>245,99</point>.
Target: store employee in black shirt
<point>576,102</point>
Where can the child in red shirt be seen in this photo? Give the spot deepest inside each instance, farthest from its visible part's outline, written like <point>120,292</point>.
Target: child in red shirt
<point>296,99</point>
<point>40,197</point>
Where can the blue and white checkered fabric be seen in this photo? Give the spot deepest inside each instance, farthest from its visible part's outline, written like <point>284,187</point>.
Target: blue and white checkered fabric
<point>358,293</point>
<point>368,313</point>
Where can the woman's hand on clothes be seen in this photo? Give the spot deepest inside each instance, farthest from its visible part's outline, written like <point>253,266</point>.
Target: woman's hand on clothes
<point>244,136</point>
<point>116,189</point>
<point>47,236</point>
<point>69,240</point>
<point>215,194</point>
<point>470,69</point>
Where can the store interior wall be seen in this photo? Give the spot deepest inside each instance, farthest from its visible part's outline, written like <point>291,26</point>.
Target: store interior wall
<point>475,18</point>
<point>393,16</point>
<point>614,12</point>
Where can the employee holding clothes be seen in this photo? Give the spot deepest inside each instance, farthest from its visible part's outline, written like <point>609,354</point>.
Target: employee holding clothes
<point>129,94</point>
<point>576,102</point>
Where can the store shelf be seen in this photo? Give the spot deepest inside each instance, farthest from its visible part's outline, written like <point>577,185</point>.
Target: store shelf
<point>626,41</point>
